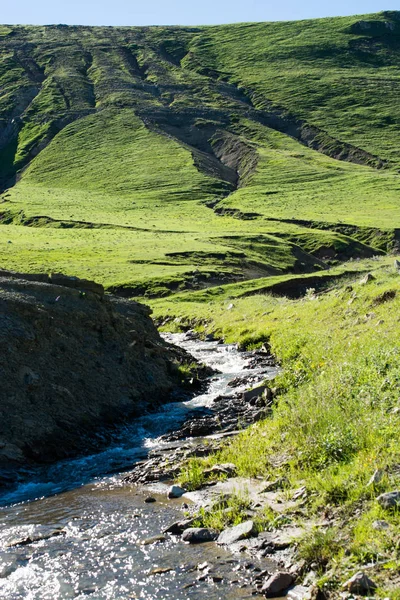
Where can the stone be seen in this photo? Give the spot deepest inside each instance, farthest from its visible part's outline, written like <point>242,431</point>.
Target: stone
<point>192,335</point>
<point>376,477</point>
<point>277,584</point>
<point>237,533</point>
<point>389,499</point>
<point>367,278</point>
<point>31,534</point>
<point>176,491</point>
<point>299,592</point>
<point>160,570</point>
<point>28,377</point>
<point>272,486</point>
<point>380,525</point>
<point>255,393</point>
<point>179,527</point>
<point>8,564</point>
<point>360,583</point>
<point>300,493</point>
<point>150,499</point>
<point>199,535</point>
<point>155,539</point>
<point>228,469</point>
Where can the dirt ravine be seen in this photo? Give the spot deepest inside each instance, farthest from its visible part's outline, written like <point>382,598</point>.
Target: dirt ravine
<point>73,362</point>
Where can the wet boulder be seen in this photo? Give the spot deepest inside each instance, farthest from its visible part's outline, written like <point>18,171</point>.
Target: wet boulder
<point>199,535</point>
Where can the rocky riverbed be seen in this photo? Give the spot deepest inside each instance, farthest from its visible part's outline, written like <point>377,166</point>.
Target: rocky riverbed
<point>106,540</point>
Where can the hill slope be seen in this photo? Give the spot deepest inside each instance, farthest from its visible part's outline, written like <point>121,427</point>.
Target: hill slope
<point>159,159</point>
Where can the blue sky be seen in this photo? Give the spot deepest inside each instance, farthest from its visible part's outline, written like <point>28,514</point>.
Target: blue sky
<point>178,12</point>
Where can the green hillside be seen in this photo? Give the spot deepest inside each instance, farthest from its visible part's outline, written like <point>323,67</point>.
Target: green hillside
<point>160,159</point>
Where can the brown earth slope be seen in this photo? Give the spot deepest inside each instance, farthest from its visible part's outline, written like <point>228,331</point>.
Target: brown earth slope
<point>71,362</point>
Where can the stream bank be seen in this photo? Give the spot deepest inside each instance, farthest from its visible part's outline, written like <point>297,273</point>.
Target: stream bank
<point>60,539</point>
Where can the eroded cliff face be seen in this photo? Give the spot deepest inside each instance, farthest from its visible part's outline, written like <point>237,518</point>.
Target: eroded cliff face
<point>71,362</point>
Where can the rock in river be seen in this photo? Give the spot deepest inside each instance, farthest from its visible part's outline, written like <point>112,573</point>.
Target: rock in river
<point>277,584</point>
<point>175,491</point>
<point>198,535</point>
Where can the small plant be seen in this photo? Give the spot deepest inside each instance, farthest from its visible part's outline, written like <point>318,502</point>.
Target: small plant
<point>226,512</point>
<point>319,547</point>
<point>192,474</point>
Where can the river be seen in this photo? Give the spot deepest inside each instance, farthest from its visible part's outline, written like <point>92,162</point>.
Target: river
<point>75,530</point>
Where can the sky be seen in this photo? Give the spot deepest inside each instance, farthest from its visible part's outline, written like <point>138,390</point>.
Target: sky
<point>178,12</point>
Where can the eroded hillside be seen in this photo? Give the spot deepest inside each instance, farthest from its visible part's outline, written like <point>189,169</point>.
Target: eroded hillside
<point>160,159</point>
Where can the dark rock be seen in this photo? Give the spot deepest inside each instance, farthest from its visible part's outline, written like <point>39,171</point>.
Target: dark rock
<point>150,499</point>
<point>238,381</point>
<point>389,499</point>
<point>277,584</point>
<point>175,491</point>
<point>360,583</point>
<point>192,335</point>
<point>198,535</point>
<point>76,283</point>
<point>179,527</point>
<point>255,393</point>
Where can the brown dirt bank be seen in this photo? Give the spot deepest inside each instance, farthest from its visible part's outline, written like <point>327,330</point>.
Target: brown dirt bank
<point>71,362</point>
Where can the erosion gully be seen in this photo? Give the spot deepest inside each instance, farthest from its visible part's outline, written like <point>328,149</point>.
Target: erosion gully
<point>76,529</point>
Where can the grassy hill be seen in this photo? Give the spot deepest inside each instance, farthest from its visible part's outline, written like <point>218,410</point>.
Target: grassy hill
<point>160,159</point>
<point>241,179</point>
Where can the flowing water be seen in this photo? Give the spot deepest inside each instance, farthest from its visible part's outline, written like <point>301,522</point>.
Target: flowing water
<point>74,530</point>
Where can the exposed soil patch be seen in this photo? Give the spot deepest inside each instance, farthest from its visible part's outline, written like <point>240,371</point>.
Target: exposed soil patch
<point>75,362</point>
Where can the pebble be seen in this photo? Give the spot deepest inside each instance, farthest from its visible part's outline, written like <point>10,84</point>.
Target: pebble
<point>150,499</point>
<point>299,592</point>
<point>376,477</point>
<point>155,539</point>
<point>380,525</point>
<point>160,570</point>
